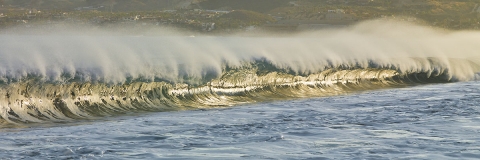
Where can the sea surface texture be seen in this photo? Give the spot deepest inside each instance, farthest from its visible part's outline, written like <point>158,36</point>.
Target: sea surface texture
<point>438,121</point>
<point>375,90</point>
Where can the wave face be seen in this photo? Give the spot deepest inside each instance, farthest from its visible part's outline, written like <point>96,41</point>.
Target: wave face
<point>68,77</point>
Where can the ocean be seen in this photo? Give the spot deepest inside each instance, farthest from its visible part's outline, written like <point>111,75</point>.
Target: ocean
<point>376,90</point>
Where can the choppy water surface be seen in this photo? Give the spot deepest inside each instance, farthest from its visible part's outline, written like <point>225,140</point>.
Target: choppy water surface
<point>439,121</point>
<point>368,91</point>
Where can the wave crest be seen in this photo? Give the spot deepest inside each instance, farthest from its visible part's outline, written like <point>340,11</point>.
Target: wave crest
<point>76,76</point>
<point>36,101</point>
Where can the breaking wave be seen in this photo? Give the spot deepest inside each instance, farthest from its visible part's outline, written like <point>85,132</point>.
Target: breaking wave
<point>69,77</point>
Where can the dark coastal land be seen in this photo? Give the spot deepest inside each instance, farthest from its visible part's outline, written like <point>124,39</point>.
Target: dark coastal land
<point>224,16</point>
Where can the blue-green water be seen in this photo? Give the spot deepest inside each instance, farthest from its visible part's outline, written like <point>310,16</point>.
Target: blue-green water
<point>439,121</point>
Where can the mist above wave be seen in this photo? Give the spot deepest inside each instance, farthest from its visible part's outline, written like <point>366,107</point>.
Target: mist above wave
<point>115,58</point>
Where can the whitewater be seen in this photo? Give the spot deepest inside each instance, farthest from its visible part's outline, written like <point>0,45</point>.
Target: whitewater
<point>376,90</point>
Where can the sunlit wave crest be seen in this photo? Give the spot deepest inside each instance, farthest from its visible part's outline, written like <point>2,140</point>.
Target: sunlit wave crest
<point>68,77</point>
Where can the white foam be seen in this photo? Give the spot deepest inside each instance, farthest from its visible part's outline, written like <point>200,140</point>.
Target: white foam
<point>116,58</point>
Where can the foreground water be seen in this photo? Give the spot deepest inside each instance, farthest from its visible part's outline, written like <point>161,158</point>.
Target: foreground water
<point>439,121</point>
